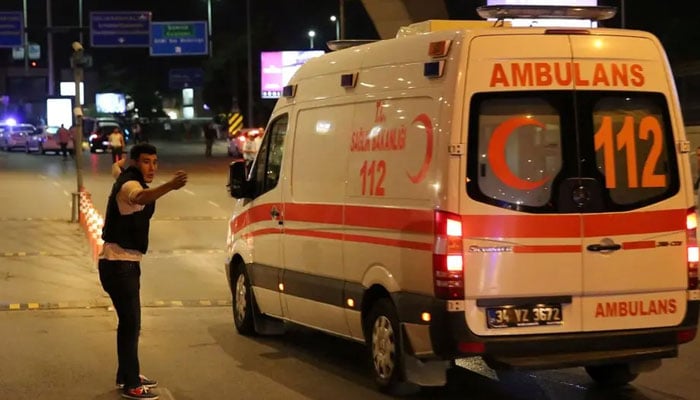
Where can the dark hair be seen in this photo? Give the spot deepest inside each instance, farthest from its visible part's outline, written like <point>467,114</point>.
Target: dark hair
<point>141,148</point>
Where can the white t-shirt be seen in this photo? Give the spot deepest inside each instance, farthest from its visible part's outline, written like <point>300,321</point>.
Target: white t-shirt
<point>126,205</point>
<point>115,139</point>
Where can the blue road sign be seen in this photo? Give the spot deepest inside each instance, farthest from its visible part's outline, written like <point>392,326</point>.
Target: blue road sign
<point>182,38</point>
<point>11,29</point>
<point>180,78</point>
<point>119,28</point>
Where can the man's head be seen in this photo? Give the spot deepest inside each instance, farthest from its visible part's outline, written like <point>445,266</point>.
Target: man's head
<point>144,157</point>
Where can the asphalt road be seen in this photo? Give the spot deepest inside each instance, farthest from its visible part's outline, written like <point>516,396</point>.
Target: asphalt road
<point>58,333</point>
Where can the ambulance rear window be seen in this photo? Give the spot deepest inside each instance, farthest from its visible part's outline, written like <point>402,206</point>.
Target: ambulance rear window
<point>546,151</point>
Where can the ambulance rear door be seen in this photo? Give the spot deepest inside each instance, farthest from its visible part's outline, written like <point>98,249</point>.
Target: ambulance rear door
<point>634,222</point>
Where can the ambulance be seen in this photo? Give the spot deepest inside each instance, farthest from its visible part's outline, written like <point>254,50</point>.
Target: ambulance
<point>519,194</point>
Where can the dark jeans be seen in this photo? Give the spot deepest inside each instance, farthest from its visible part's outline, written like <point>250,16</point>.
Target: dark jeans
<point>64,149</point>
<point>117,153</point>
<point>121,279</point>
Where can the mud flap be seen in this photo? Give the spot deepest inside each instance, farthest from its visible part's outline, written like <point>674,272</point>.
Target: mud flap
<point>422,372</point>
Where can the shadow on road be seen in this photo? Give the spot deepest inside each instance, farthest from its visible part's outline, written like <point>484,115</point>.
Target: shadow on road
<point>348,361</point>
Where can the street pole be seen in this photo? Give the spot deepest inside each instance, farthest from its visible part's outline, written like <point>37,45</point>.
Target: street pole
<point>622,12</point>
<point>49,48</point>
<point>77,64</point>
<point>342,19</point>
<point>80,20</point>
<point>209,27</point>
<point>26,39</point>
<point>249,41</point>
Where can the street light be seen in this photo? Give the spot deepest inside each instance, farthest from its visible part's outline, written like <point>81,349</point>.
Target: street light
<point>312,34</point>
<point>337,27</point>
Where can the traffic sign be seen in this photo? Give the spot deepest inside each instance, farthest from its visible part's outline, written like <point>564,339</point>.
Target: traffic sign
<point>119,28</point>
<point>181,38</point>
<point>11,29</point>
<point>180,78</point>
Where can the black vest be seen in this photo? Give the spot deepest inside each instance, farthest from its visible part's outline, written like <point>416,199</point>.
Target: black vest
<point>128,231</point>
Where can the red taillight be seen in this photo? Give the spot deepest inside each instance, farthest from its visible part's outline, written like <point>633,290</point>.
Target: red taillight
<point>685,336</point>
<point>691,225</point>
<point>448,257</point>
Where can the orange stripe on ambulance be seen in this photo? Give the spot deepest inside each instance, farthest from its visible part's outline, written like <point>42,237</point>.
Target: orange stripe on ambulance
<point>566,74</point>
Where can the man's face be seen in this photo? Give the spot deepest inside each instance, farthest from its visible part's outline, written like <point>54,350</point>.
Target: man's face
<point>147,164</point>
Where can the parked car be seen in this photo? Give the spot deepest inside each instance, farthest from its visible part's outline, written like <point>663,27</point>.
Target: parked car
<point>237,140</point>
<point>46,140</point>
<point>99,136</point>
<point>13,135</point>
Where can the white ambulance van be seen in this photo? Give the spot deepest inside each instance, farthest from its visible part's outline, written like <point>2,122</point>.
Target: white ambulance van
<point>519,194</point>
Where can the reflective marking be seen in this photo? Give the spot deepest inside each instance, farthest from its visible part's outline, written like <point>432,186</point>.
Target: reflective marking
<point>188,192</point>
<point>107,305</point>
<point>214,204</point>
<point>41,254</point>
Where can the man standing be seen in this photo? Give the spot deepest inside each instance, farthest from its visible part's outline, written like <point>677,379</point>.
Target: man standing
<point>63,137</point>
<point>116,142</point>
<point>210,135</point>
<point>129,209</point>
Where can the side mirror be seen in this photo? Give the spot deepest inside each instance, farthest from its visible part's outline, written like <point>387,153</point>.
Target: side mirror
<point>238,185</point>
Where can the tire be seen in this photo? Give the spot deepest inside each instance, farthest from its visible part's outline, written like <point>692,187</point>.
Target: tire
<point>383,337</point>
<point>243,303</point>
<point>612,375</point>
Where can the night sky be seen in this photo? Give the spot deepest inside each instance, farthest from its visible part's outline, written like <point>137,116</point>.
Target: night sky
<point>283,25</point>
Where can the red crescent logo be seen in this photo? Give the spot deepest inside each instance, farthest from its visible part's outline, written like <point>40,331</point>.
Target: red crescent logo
<point>497,153</point>
<point>420,175</point>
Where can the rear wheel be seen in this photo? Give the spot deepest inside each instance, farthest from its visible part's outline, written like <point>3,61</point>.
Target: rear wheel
<point>243,302</point>
<point>385,348</point>
<point>612,375</point>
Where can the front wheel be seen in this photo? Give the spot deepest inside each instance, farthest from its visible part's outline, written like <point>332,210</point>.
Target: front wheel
<point>613,375</point>
<point>243,303</point>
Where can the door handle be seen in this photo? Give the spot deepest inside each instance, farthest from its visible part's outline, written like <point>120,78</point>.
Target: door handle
<point>603,247</point>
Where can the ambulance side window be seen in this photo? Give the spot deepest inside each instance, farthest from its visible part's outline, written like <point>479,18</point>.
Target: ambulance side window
<point>268,163</point>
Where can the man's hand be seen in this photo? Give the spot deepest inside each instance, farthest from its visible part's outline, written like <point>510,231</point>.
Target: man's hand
<point>179,180</point>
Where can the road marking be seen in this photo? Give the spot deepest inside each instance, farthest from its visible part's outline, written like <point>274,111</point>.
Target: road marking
<point>55,183</point>
<point>188,192</point>
<point>41,254</point>
<point>107,305</point>
<point>7,219</point>
<point>214,204</point>
<point>42,177</point>
<point>165,394</point>
<point>66,193</point>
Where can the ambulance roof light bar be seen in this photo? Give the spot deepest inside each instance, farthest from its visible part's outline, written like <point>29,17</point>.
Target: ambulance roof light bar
<point>593,13</point>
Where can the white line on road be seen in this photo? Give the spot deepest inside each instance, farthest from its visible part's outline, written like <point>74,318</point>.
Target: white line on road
<point>214,204</point>
<point>188,192</point>
<point>56,184</point>
<point>66,193</point>
<point>42,177</point>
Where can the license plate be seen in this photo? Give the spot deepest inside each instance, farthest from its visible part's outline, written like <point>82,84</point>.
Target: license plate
<point>510,317</point>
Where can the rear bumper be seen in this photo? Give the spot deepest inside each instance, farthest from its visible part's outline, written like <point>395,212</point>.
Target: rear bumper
<point>450,338</point>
